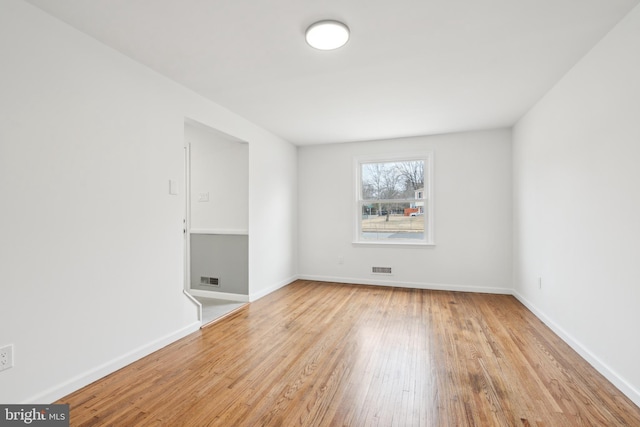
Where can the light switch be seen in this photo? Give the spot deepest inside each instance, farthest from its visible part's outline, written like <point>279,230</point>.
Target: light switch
<point>203,197</point>
<point>173,187</point>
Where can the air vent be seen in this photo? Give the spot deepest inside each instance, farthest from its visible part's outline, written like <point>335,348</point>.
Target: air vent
<point>381,270</point>
<point>209,281</point>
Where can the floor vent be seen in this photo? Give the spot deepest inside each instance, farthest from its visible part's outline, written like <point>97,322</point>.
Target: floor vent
<point>209,281</point>
<point>381,270</point>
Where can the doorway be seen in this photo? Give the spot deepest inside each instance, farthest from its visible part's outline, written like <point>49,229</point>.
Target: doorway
<point>216,219</point>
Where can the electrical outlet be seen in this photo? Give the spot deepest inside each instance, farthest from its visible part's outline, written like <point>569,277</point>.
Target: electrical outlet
<point>6,357</point>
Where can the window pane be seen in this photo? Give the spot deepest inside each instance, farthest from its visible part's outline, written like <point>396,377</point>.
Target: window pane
<point>392,180</point>
<point>388,221</point>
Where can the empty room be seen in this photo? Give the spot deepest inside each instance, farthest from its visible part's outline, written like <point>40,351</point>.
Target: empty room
<point>278,213</point>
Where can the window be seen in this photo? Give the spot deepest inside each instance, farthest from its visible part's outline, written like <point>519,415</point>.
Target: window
<point>393,200</point>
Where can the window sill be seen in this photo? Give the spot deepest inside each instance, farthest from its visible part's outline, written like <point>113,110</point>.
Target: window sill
<point>394,244</point>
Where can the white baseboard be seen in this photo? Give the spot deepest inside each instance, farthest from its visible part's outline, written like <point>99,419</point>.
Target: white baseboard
<point>257,295</point>
<point>67,387</point>
<point>431,286</point>
<point>232,232</point>
<point>219,295</point>
<point>622,385</point>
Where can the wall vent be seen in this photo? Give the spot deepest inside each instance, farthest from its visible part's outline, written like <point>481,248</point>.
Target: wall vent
<point>209,281</point>
<point>381,270</point>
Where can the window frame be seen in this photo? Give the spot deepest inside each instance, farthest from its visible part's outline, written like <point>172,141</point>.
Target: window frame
<point>428,199</point>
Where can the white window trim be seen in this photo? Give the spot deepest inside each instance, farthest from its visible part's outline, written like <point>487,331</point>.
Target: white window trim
<point>428,197</point>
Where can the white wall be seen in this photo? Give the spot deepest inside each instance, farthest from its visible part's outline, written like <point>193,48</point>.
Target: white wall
<point>577,206</point>
<point>91,246</point>
<point>472,177</point>
<point>273,238</point>
<point>219,167</point>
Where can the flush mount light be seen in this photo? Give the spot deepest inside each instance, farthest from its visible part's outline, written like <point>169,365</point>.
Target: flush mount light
<point>327,35</point>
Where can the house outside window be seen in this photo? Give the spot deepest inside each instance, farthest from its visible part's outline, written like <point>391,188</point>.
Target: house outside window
<point>419,204</point>
<point>394,203</point>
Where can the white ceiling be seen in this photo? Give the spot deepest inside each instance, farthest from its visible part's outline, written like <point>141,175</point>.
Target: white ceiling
<point>411,67</point>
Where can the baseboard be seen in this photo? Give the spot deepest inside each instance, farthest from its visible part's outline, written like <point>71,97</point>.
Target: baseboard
<point>414,285</point>
<point>219,295</point>
<point>257,295</point>
<point>232,232</point>
<point>67,387</point>
<point>622,385</point>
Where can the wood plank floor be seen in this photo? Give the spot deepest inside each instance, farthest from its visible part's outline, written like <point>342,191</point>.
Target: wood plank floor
<point>322,354</point>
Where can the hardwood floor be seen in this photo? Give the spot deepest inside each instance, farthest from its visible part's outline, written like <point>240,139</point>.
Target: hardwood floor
<point>322,354</point>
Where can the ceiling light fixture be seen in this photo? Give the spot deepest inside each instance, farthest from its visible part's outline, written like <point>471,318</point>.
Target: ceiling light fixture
<point>327,35</point>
